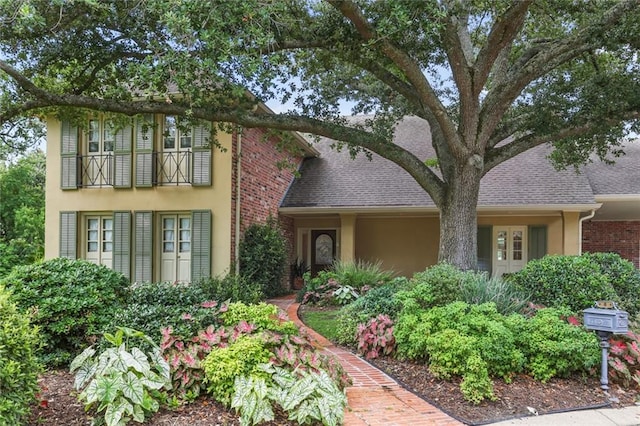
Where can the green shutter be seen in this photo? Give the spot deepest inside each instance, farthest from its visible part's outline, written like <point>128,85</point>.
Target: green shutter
<point>200,244</point>
<point>537,242</point>
<point>122,158</point>
<point>69,235</point>
<point>143,247</point>
<point>69,156</point>
<point>201,161</point>
<point>145,163</point>
<point>484,248</point>
<point>122,243</point>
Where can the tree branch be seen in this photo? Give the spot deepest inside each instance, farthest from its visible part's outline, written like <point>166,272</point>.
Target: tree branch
<point>539,61</point>
<point>408,66</point>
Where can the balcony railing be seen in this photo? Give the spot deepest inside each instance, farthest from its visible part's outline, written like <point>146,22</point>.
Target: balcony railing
<point>173,168</point>
<point>95,170</point>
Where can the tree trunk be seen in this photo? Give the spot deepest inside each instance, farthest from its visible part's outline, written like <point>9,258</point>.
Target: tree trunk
<point>459,219</point>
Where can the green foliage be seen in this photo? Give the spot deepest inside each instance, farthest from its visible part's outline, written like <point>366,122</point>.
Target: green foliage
<point>623,276</point>
<point>316,284</point>
<point>624,360</point>
<point>307,397</point>
<point>123,381</point>
<point>361,274</point>
<point>153,306</point>
<point>377,301</point>
<point>19,365</point>
<point>553,347</point>
<point>264,316</point>
<point>17,252</point>
<point>564,281</point>
<point>22,206</point>
<point>436,286</point>
<point>482,289</point>
<point>241,358</point>
<point>450,335</point>
<point>375,338</point>
<point>263,257</point>
<point>185,358</point>
<point>344,295</point>
<point>70,301</point>
<point>231,287</point>
<point>322,294</point>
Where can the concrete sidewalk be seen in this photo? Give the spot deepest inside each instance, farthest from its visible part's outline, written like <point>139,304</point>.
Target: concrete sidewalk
<point>377,399</point>
<point>628,416</point>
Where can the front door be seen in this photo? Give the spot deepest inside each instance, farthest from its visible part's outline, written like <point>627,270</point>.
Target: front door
<point>176,248</point>
<point>99,240</point>
<point>509,249</point>
<point>323,249</point>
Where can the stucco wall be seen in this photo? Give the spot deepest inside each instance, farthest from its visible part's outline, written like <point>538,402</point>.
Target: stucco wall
<point>622,237</point>
<point>181,198</point>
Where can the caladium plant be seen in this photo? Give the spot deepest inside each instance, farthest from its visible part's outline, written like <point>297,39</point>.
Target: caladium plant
<point>125,382</point>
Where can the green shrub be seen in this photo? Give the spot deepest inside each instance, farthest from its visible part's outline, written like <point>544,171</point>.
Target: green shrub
<point>263,257</point>
<point>264,316</point>
<point>553,347</point>
<point>231,287</point>
<point>316,285</point>
<point>482,289</point>
<point>623,276</point>
<point>377,301</point>
<point>306,397</point>
<point>361,274</point>
<point>438,285</point>
<point>575,282</point>
<point>70,300</point>
<point>19,365</point>
<point>152,307</point>
<point>124,381</point>
<point>375,338</point>
<point>240,358</point>
<point>450,335</point>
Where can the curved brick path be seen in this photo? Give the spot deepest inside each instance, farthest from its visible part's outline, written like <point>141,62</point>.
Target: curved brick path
<point>374,398</point>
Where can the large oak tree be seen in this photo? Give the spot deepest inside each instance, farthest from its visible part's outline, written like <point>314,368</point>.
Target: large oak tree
<point>493,78</point>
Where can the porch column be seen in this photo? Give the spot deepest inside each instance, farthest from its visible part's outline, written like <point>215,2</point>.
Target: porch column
<point>347,237</point>
<point>571,233</point>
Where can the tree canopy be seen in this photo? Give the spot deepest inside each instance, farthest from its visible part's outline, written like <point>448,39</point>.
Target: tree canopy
<point>492,78</point>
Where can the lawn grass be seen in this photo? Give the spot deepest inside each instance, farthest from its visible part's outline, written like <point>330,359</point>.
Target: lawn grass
<point>323,321</point>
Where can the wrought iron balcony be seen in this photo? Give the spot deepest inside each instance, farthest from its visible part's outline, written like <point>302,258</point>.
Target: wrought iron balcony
<point>95,170</point>
<point>173,168</point>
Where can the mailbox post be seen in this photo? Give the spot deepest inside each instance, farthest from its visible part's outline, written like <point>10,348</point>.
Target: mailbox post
<point>606,319</point>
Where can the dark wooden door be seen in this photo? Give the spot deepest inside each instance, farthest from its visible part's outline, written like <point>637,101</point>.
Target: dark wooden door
<point>323,249</point>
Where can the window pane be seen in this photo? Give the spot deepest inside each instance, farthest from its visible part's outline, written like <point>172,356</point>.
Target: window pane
<point>108,137</point>
<point>324,250</point>
<point>107,223</point>
<point>501,245</point>
<point>185,139</point>
<point>107,246</point>
<point>185,247</point>
<point>167,235</point>
<point>93,136</point>
<point>517,245</point>
<point>167,247</point>
<point>169,132</point>
<point>92,246</point>
<point>92,223</point>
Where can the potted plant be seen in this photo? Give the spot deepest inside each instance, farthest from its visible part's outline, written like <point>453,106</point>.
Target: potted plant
<point>298,269</point>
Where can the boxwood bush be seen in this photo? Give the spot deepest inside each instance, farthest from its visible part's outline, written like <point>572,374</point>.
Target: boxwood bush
<point>575,282</point>
<point>70,300</point>
<point>263,257</point>
<point>19,365</point>
<point>623,276</point>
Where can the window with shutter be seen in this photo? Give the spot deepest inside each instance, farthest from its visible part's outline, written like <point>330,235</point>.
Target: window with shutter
<point>201,155</point>
<point>143,246</point>
<point>145,159</point>
<point>122,157</point>
<point>200,244</point>
<point>122,243</point>
<point>69,156</point>
<point>68,234</point>
<point>537,242</point>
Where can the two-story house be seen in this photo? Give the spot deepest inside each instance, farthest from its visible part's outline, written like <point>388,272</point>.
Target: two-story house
<point>154,198</point>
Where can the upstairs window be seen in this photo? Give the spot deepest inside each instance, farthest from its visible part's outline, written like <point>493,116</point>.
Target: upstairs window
<point>96,165</point>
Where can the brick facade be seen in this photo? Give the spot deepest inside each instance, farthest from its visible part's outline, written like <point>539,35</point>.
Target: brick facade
<point>622,237</point>
<point>262,183</point>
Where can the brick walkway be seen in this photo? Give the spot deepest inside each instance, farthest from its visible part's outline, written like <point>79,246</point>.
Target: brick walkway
<point>374,398</point>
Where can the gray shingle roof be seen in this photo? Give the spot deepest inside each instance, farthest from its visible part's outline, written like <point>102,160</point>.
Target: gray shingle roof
<point>621,178</point>
<point>335,180</point>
